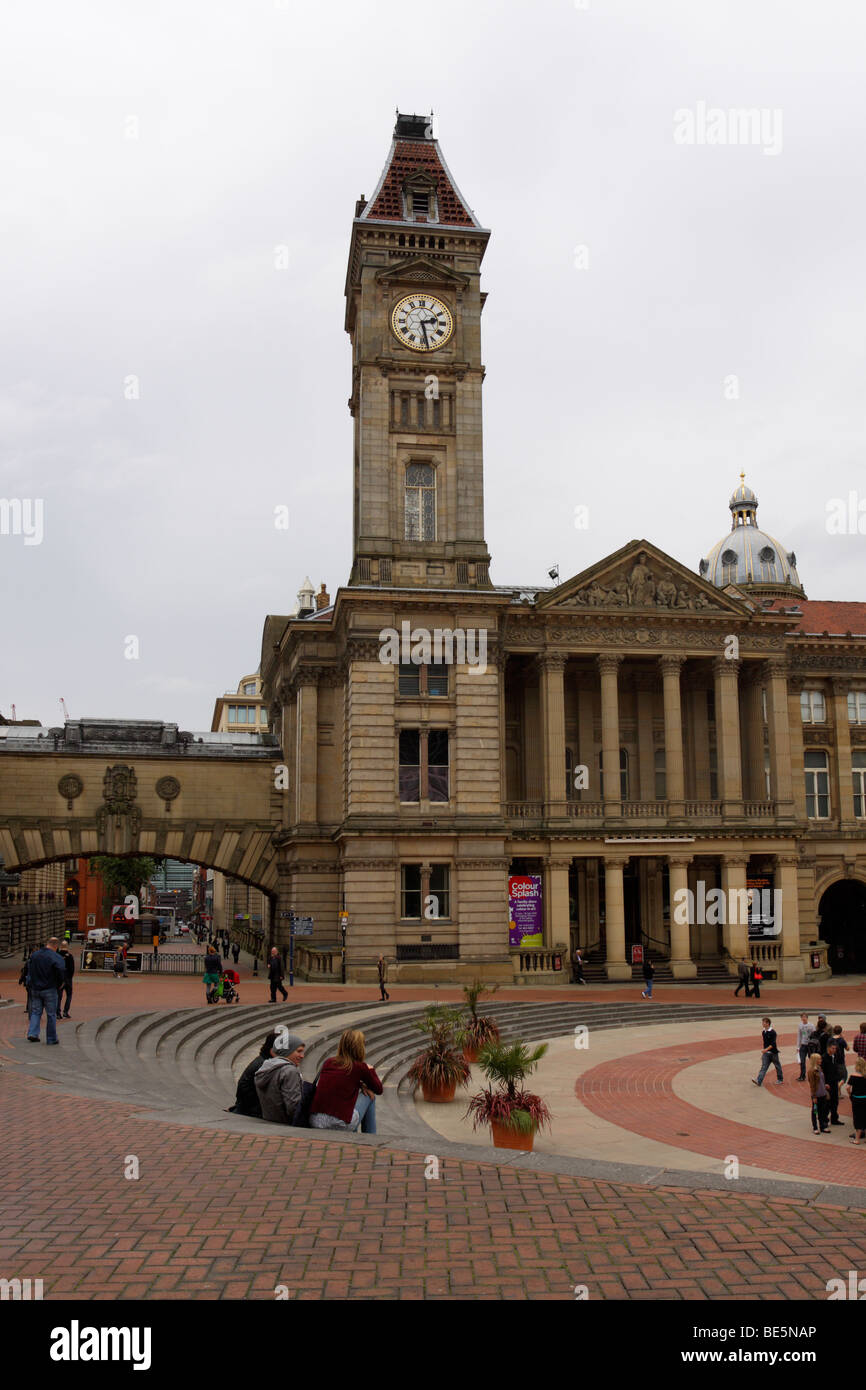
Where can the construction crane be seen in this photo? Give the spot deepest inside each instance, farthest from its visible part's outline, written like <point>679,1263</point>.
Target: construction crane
<point>65,710</point>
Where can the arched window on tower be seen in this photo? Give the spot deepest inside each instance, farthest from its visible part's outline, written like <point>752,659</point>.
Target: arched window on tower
<point>420,505</point>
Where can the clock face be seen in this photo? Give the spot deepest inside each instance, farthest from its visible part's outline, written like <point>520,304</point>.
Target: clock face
<point>422,322</point>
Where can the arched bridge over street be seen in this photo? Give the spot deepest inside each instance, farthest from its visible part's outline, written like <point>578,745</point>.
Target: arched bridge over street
<point>124,787</point>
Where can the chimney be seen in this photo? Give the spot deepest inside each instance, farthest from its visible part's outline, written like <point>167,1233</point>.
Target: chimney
<point>323,599</point>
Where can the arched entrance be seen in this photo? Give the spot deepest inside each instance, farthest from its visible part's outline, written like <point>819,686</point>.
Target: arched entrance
<point>842,915</point>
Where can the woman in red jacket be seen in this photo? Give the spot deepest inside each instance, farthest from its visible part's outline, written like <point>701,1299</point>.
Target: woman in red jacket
<point>346,1088</point>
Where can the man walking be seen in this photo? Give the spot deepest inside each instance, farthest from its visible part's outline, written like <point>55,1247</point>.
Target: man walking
<point>579,978</point>
<point>46,974</point>
<point>236,952</point>
<point>69,963</point>
<point>383,975</point>
<point>769,1054</point>
<point>275,975</point>
<point>648,973</point>
<point>804,1033</point>
<point>743,972</point>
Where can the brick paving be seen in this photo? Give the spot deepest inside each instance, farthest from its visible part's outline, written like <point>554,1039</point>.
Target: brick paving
<point>219,1215</point>
<point>637,1093</point>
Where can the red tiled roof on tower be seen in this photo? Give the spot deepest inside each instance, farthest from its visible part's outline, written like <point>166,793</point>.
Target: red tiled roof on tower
<point>414,152</point>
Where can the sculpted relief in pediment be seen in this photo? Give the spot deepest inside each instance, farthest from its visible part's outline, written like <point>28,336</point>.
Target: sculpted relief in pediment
<point>641,587</point>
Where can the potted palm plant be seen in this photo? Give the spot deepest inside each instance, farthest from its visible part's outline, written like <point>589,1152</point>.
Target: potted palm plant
<point>476,1031</point>
<point>440,1068</point>
<point>513,1113</point>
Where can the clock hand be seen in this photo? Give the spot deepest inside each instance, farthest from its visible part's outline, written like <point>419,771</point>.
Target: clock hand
<point>423,325</point>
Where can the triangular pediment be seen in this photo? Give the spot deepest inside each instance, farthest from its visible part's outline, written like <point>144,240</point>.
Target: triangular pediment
<point>421,270</point>
<point>640,577</point>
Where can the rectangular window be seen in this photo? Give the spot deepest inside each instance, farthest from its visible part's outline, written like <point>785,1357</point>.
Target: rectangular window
<point>421,412</point>
<point>660,775</point>
<point>857,706</point>
<point>233,714</point>
<point>437,765</point>
<point>858,763</point>
<point>817,786</point>
<point>410,765</point>
<point>812,707</point>
<point>410,904</point>
<point>440,891</point>
<point>437,680</point>
<point>263,715</point>
<point>241,717</point>
<point>409,680</point>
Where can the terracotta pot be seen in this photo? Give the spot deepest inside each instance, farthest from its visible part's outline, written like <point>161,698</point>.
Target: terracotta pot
<point>439,1095</point>
<point>504,1138</point>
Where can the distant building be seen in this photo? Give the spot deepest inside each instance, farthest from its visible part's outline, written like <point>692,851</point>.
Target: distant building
<point>235,906</point>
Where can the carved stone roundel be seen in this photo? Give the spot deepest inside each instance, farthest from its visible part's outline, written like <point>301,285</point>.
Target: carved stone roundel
<point>70,786</point>
<point>167,788</point>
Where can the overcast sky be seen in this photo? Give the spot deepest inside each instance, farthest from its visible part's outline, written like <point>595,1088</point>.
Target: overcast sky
<point>154,154</point>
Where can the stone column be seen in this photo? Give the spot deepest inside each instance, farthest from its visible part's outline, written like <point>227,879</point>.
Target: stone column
<point>501,660</point>
<point>614,921</point>
<point>609,670</point>
<point>781,746</point>
<point>682,965</point>
<point>726,673</point>
<point>701,744</point>
<point>551,667</point>
<point>306,753</point>
<point>645,695</point>
<point>795,733</point>
<point>671,666</point>
<point>532,762</point>
<point>556,921</point>
<point>735,932</point>
<point>792,969</point>
<point>753,732</point>
<point>844,775</point>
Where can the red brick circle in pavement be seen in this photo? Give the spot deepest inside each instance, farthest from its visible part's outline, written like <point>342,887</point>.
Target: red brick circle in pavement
<point>636,1092</point>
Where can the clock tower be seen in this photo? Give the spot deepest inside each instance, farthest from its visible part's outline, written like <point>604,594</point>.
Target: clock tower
<point>413,313</point>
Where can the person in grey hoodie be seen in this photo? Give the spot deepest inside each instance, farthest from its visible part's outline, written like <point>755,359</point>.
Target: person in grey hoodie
<point>278,1080</point>
<point>804,1033</point>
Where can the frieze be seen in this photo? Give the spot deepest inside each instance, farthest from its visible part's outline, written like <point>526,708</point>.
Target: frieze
<point>579,631</point>
<point>499,864</point>
<point>815,661</point>
<point>643,589</point>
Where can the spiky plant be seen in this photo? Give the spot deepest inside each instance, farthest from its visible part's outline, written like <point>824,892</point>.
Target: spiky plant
<point>440,1064</point>
<point>477,1031</point>
<point>510,1105</point>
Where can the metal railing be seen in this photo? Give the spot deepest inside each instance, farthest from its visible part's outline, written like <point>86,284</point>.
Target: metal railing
<point>25,925</point>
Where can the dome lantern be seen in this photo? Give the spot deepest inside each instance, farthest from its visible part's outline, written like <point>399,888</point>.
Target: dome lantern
<point>749,557</point>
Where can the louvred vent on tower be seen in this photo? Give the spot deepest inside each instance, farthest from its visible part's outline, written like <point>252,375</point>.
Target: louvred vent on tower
<point>413,154</point>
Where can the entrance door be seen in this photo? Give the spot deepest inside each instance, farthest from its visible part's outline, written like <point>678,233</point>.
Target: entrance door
<point>842,916</point>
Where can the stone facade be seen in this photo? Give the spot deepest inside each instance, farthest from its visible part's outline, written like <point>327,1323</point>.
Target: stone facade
<point>634,732</point>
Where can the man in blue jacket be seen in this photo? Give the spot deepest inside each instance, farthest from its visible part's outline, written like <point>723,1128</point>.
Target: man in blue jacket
<point>46,972</point>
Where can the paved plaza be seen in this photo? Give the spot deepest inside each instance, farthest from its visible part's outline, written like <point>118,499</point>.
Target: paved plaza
<point>230,1208</point>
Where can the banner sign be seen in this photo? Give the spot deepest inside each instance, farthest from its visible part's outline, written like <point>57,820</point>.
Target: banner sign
<point>637,955</point>
<point>764,917</point>
<point>525,926</point>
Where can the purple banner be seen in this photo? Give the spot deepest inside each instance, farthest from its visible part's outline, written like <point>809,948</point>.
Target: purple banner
<point>524,911</point>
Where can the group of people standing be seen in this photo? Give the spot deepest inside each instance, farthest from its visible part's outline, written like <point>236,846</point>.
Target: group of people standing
<point>343,1095</point>
<point>821,1052</point>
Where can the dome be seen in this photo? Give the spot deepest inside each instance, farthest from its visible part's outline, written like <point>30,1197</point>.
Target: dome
<point>748,556</point>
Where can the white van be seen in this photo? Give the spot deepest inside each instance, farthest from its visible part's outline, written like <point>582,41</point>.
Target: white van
<point>99,936</point>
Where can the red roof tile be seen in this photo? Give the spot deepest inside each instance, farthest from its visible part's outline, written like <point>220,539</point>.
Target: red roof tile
<point>821,616</point>
<point>409,157</point>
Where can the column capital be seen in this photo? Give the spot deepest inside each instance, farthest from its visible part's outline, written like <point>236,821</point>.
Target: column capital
<point>551,661</point>
<point>787,861</point>
<point>682,861</point>
<point>608,663</point>
<point>735,861</point>
<point>775,667</point>
<point>840,685</point>
<point>613,861</point>
<point>796,682</point>
<point>671,665</point>
<point>307,675</point>
<point>726,666</point>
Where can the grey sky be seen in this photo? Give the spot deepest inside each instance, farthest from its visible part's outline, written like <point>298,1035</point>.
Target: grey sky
<point>259,124</point>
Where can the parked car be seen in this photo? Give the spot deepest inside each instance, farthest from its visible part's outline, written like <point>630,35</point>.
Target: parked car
<point>119,938</point>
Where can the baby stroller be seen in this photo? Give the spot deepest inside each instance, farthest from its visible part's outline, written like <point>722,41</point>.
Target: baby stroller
<point>227,988</point>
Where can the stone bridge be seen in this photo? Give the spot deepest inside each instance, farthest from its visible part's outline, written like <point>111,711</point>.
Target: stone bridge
<point>99,786</point>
